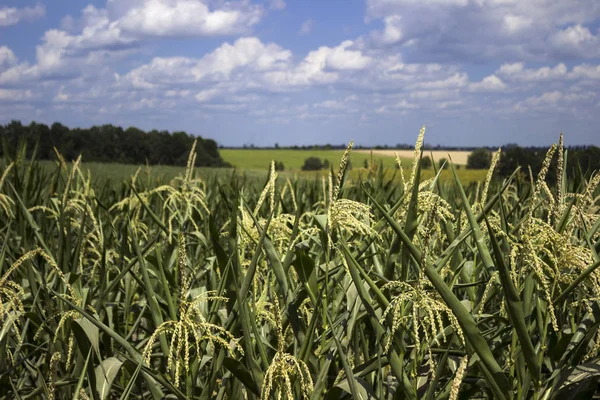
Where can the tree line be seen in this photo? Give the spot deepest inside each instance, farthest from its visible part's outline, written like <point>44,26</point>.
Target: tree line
<point>109,143</point>
<point>581,160</point>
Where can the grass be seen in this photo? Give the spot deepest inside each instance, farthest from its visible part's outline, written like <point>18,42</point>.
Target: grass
<point>349,286</point>
<point>114,173</point>
<point>294,159</point>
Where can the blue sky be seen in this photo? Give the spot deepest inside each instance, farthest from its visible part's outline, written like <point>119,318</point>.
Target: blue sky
<point>475,72</point>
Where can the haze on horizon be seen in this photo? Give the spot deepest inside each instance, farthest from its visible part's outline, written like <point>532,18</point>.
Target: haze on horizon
<point>475,72</point>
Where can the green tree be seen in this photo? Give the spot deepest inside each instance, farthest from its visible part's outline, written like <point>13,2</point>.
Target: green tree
<point>109,143</point>
<point>443,163</point>
<point>426,162</point>
<point>479,159</point>
<point>312,164</point>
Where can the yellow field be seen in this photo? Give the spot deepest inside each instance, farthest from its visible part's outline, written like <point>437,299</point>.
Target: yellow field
<point>458,157</point>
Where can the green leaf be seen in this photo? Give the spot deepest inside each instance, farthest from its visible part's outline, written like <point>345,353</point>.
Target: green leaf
<point>305,268</point>
<point>499,381</point>
<point>515,311</point>
<point>82,376</point>
<point>91,331</point>
<point>241,372</point>
<point>580,382</point>
<point>105,375</point>
<point>364,390</point>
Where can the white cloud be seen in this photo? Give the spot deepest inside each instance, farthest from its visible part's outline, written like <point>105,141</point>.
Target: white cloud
<point>177,93</point>
<point>585,71</point>
<point>434,94</point>
<point>307,26</point>
<point>12,15</point>
<point>543,101</point>
<point>488,84</point>
<point>449,104</point>
<point>102,35</point>
<point>375,73</point>
<point>188,17</point>
<point>557,101</point>
<point>245,56</point>
<point>579,97</point>
<point>379,7</point>
<point>576,40</point>
<point>516,23</point>
<point>18,73</point>
<point>321,66</point>
<point>342,58</point>
<point>330,104</point>
<point>392,32</point>
<point>206,95</point>
<point>13,95</point>
<point>225,107</point>
<point>480,30</point>
<point>61,96</point>
<point>403,104</point>
<point>518,72</point>
<point>573,36</point>
<point>455,81</point>
<point>7,57</point>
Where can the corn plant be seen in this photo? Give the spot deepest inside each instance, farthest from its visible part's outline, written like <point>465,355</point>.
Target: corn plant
<point>230,287</point>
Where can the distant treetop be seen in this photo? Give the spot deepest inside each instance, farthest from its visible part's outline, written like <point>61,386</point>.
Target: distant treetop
<point>109,143</point>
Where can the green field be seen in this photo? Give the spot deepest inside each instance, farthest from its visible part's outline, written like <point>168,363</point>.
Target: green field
<point>294,159</point>
<point>115,173</point>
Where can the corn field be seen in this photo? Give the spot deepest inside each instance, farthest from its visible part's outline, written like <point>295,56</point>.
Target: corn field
<point>324,288</point>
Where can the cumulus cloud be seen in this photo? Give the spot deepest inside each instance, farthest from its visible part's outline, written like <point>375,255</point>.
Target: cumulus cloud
<point>585,71</point>
<point>556,101</point>
<point>248,63</point>
<point>14,95</point>
<point>478,30</point>
<point>488,84</point>
<point>518,72</point>
<point>7,57</point>
<point>321,66</point>
<point>13,15</point>
<point>576,40</point>
<point>187,18</point>
<point>102,35</point>
<point>546,101</point>
<point>245,55</point>
<point>242,72</point>
<point>206,95</point>
<point>343,57</point>
<point>61,96</point>
<point>455,81</point>
<point>516,23</point>
<point>390,70</point>
<point>392,32</point>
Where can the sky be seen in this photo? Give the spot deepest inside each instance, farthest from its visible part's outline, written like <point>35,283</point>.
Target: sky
<point>474,72</point>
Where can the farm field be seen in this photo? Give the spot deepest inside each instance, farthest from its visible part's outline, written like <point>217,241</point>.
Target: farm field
<point>300,200</point>
<point>294,159</point>
<point>116,173</point>
<point>458,157</point>
<point>182,283</point>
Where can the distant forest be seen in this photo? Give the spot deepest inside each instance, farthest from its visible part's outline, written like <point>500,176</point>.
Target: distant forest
<point>580,161</point>
<point>109,143</point>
